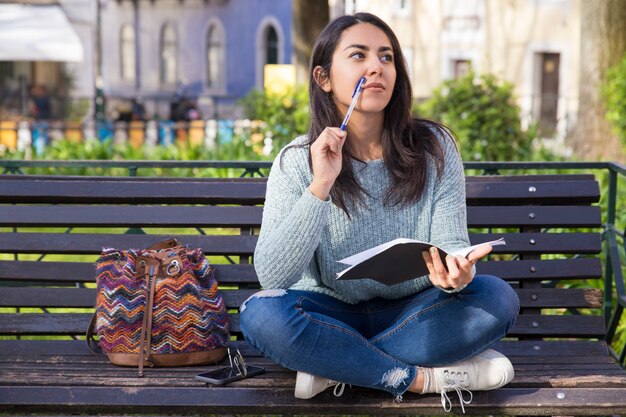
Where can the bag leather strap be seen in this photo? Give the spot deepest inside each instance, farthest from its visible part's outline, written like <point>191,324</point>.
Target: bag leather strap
<point>165,244</point>
<point>92,343</point>
<point>151,270</point>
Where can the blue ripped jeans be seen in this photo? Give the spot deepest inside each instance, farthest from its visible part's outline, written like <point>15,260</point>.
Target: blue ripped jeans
<point>378,343</point>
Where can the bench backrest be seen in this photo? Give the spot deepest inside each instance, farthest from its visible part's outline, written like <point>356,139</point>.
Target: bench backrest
<point>52,229</point>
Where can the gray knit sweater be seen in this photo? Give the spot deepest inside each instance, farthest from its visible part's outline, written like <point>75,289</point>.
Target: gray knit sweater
<point>302,237</point>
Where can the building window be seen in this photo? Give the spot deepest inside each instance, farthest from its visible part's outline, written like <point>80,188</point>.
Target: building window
<point>169,52</point>
<point>402,7</point>
<point>548,92</point>
<point>271,46</point>
<point>128,53</point>
<point>215,57</point>
<point>463,16</point>
<point>461,67</point>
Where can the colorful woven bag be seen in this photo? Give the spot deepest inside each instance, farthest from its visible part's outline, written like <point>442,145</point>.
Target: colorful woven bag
<point>158,307</point>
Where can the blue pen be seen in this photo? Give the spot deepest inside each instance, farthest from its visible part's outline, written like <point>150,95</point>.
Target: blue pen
<point>355,97</point>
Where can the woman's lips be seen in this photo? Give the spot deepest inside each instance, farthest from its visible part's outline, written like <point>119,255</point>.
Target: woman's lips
<point>374,86</point>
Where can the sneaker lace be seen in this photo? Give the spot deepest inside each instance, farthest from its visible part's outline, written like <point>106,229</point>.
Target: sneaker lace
<point>458,382</point>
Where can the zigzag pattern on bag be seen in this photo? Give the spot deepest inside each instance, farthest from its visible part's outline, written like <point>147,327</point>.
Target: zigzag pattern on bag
<point>188,313</point>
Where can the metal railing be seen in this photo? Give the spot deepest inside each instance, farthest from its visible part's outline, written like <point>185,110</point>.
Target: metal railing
<point>613,238</point>
<point>249,168</point>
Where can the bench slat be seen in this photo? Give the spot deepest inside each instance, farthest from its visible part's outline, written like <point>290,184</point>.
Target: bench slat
<point>250,216</point>
<point>76,324</point>
<point>139,191</point>
<point>533,216</point>
<point>529,178</point>
<point>85,297</point>
<point>561,326</point>
<point>72,272</point>
<point>543,243</point>
<point>130,216</point>
<point>241,399</point>
<point>560,298</point>
<point>536,270</point>
<point>50,368</point>
<point>85,243</point>
<point>540,270</point>
<point>536,325</point>
<point>533,192</point>
<point>519,348</point>
<point>520,189</point>
<point>593,375</point>
<point>548,189</point>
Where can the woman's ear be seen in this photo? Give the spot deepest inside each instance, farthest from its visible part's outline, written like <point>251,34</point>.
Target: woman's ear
<point>320,75</point>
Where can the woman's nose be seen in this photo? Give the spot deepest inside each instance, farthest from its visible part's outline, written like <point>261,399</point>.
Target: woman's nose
<point>374,67</point>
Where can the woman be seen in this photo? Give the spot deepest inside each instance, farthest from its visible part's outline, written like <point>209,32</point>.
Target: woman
<point>332,194</point>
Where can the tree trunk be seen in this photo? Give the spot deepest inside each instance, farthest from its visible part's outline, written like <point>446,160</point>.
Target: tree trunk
<point>309,18</point>
<point>603,43</point>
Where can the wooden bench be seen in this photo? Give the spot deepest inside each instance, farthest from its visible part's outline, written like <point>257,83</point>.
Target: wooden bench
<point>52,229</point>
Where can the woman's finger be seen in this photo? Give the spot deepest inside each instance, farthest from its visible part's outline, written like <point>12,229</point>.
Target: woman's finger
<point>429,262</point>
<point>440,269</point>
<point>432,275</point>
<point>453,272</point>
<point>463,263</point>
<point>479,252</point>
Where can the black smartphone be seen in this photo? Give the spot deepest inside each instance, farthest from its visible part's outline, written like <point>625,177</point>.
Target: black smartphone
<point>227,374</point>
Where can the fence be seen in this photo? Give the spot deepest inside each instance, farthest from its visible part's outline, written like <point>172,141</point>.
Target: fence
<point>21,134</point>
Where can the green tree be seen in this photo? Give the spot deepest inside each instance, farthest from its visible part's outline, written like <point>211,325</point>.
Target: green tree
<point>614,92</point>
<point>602,44</point>
<point>483,114</point>
<point>286,115</point>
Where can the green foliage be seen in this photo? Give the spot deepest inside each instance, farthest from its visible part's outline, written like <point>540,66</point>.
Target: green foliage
<point>241,148</point>
<point>68,150</point>
<point>614,92</point>
<point>483,114</point>
<point>78,109</point>
<point>286,114</point>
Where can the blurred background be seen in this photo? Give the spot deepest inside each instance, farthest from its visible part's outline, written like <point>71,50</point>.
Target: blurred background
<point>210,71</point>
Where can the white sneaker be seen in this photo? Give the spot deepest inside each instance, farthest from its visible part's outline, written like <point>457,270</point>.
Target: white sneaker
<point>488,370</point>
<point>308,386</point>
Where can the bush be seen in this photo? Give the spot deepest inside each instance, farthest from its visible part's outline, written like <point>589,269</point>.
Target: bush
<point>614,92</point>
<point>286,115</point>
<point>240,148</point>
<point>483,114</point>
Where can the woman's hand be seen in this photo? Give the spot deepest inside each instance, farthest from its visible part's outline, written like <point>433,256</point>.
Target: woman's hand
<point>459,272</point>
<point>326,159</point>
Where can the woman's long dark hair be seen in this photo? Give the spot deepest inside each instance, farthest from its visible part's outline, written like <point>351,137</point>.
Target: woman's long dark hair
<point>405,141</point>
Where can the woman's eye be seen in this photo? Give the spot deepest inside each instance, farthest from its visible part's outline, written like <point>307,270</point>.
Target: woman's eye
<point>387,58</point>
<point>357,55</point>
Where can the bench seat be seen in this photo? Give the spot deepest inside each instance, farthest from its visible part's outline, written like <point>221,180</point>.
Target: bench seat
<point>53,227</point>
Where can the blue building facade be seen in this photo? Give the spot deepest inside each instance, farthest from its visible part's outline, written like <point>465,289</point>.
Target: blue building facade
<point>208,53</point>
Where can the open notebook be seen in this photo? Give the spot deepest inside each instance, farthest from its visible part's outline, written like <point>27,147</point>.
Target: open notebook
<point>397,260</point>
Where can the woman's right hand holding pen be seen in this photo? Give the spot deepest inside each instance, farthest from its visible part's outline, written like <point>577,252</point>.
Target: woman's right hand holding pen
<point>326,160</point>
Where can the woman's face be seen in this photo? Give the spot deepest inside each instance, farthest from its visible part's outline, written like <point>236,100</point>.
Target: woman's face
<point>363,50</point>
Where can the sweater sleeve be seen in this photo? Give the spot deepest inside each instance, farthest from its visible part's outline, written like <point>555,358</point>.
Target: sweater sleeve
<point>292,225</point>
<point>449,212</point>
